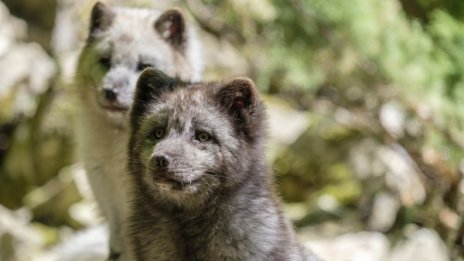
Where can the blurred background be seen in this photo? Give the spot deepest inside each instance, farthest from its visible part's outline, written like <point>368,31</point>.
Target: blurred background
<point>365,100</point>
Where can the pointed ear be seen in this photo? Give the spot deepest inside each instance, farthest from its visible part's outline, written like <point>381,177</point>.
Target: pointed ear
<point>171,27</point>
<point>101,18</point>
<point>152,83</point>
<point>240,97</point>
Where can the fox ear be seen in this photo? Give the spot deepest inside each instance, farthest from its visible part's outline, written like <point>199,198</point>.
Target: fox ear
<point>171,27</point>
<point>101,18</point>
<point>240,98</point>
<point>151,84</point>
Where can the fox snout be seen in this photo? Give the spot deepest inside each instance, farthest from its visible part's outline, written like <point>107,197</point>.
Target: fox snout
<point>110,99</point>
<point>115,91</point>
<point>110,95</point>
<point>111,91</point>
<point>169,176</point>
<point>161,162</point>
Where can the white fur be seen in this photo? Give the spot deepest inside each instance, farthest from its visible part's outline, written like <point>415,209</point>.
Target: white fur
<point>102,135</point>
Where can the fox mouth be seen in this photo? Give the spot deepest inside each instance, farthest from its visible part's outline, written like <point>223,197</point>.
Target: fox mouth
<point>174,183</point>
<point>112,106</point>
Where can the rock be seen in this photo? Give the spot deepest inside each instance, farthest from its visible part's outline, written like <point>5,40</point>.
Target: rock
<point>31,74</point>
<point>363,159</point>
<point>392,117</point>
<point>403,175</point>
<point>384,211</point>
<point>90,244</point>
<point>281,114</point>
<point>362,246</point>
<point>18,239</point>
<point>422,244</point>
<point>388,168</point>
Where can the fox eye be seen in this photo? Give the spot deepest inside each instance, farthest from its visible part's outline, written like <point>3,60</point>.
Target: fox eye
<point>105,61</point>
<point>203,136</point>
<point>141,66</point>
<point>158,133</point>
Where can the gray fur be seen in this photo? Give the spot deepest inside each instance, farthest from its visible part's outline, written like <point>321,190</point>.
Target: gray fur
<point>120,41</point>
<point>222,205</point>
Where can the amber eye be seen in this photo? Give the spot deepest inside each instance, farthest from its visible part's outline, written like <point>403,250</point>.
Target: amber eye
<point>159,133</point>
<point>203,137</point>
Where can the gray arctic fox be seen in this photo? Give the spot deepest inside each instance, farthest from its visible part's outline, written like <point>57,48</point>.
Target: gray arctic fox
<point>201,189</point>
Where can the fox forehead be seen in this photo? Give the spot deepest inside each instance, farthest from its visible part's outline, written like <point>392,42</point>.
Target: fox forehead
<point>189,109</point>
<point>186,107</point>
<point>132,32</point>
<point>183,100</point>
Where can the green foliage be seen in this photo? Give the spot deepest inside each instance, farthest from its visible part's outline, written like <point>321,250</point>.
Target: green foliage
<point>357,56</point>
<point>343,65</point>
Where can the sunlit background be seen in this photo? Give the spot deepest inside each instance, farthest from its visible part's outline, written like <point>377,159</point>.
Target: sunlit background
<point>366,119</point>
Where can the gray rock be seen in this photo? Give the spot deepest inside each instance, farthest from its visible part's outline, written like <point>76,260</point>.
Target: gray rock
<point>403,175</point>
<point>362,246</point>
<point>391,167</point>
<point>392,117</point>
<point>87,245</point>
<point>422,244</point>
<point>31,73</point>
<point>384,211</point>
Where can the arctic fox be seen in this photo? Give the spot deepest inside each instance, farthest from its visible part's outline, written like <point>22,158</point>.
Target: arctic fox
<point>201,187</point>
<point>121,43</point>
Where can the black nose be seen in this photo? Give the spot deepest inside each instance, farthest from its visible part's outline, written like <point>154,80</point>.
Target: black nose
<point>161,161</point>
<point>110,95</point>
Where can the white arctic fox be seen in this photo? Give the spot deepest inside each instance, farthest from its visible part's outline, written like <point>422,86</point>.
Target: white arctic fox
<point>121,43</point>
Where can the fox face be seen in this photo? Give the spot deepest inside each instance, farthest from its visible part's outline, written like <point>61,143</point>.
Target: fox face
<point>122,42</point>
<point>190,140</point>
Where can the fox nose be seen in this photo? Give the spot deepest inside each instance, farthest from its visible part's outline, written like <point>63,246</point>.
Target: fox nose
<point>110,95</point>
<point>161,161</point>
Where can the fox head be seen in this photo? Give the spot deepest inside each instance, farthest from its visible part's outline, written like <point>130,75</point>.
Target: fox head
<point>190,140</point>
<point>124,41</point>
